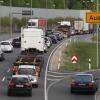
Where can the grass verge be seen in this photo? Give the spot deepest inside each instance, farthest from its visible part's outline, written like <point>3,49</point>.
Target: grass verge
<point>83,51</point>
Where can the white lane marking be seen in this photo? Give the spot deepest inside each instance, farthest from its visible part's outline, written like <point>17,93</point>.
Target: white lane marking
<point>65,73</point>
<point>58,66</point>
<point>46,71</point>
<point>8,70</point>
<point>55,76</point>
<point>3,79</point>
<point>49,79</point>
<point>96,94</point>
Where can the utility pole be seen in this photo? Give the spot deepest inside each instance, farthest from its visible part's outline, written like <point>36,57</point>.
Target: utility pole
<point>11,18</point>
<point>97,37</point>
<point>0,16</point>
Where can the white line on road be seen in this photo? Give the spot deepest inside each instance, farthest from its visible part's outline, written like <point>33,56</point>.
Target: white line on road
<point>8,70</point>
<point>46,71</point>
<point>53,79</point>
<point>58,66</point>
<point>3,79</point>
<point>59,72</point>
<point>96,94</point>
<point>55,76</point>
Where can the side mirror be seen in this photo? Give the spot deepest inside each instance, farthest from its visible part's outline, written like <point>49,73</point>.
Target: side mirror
<point>96,78</point>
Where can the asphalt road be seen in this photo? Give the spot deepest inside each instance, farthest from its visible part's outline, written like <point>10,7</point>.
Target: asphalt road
<point>37,93</point>
<point>59,83</point>
<point>59,91</point>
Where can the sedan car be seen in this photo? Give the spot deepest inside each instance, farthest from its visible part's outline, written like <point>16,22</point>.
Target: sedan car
<point>20,84</point>
<point>84,83</point>
<point>6,46</point>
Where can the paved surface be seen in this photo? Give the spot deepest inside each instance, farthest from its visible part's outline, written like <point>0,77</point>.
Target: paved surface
<point>37,93</point>
<point>58,83</point>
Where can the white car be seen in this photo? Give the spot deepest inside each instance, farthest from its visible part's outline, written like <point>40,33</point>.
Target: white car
<point>29,70</point>
<point>48,41</point>
<point>6,46</point>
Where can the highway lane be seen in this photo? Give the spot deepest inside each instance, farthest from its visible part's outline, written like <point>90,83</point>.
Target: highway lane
<point>59,90</point>
<point>38,93</point>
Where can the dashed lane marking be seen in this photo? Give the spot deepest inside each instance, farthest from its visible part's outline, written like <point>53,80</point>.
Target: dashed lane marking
<point>3,79</point>
<point>8,70</point>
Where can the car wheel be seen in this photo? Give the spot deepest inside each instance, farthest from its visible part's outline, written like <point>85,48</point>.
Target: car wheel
<point>30,93</point>
<point>71,91</point>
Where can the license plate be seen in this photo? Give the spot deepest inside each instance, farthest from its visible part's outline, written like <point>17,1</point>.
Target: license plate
<point>81,84</point>
<point>19,85</point>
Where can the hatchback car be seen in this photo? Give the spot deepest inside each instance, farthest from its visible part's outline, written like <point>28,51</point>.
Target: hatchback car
<point>29,70</point>
<point>53,38</point>
<point>6,46</point>
<point>20,84</point>
<point>84,83</point>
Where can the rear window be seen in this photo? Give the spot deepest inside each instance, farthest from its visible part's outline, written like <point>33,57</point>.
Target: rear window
<point>19,80</point>
<point>83,78</point>
<point>4,43</point>
<point>26,71</point>
<point>26,59</point>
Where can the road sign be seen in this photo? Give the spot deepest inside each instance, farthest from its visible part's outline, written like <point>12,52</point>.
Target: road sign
<point>27,12</point>
<point>74,59</point>
<point>93,17</point>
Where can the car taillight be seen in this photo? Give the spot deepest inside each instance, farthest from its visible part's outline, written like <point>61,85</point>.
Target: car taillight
<point>13,69</point>
<point>91,84</point>
<point>28,85</point>
<point>11,84</point>
<point>73,83</point>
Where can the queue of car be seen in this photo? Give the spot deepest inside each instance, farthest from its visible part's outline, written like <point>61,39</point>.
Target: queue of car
<point>26,69</point>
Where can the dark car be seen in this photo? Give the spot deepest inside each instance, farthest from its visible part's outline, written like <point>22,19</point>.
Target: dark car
<point>1,55</point>
<point>20,84</point>
<point>84,83</point>
<point>16,42</point>
<point>53,38</point>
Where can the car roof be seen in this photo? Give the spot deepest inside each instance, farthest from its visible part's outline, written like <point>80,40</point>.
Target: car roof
<point>5,41</point>
<point>20,76</point>
<point>27,66</point>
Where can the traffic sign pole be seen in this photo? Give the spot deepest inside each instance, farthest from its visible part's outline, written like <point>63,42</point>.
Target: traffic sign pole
<point>97,38</point>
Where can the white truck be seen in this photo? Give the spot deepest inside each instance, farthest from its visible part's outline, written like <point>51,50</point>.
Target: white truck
<point>78,26</point>
<point>82,27</point>
<point>33,38</point>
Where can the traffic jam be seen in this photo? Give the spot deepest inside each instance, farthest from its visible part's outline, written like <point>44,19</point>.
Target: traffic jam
<point>26,70</point>
<point>34,42</point>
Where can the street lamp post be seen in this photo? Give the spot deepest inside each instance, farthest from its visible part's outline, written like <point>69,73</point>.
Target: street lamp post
<point>0,16</point>
<point>97,37</point>
<point>11,18</point>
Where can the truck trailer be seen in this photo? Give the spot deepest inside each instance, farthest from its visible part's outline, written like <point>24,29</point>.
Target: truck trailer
<point>32,38</point>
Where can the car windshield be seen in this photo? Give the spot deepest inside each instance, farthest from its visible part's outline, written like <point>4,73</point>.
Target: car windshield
<point>4,43</point>
<point>19,80</point>
<point>83,78</point>
<point>26,71</point>
<point>26,59</point>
